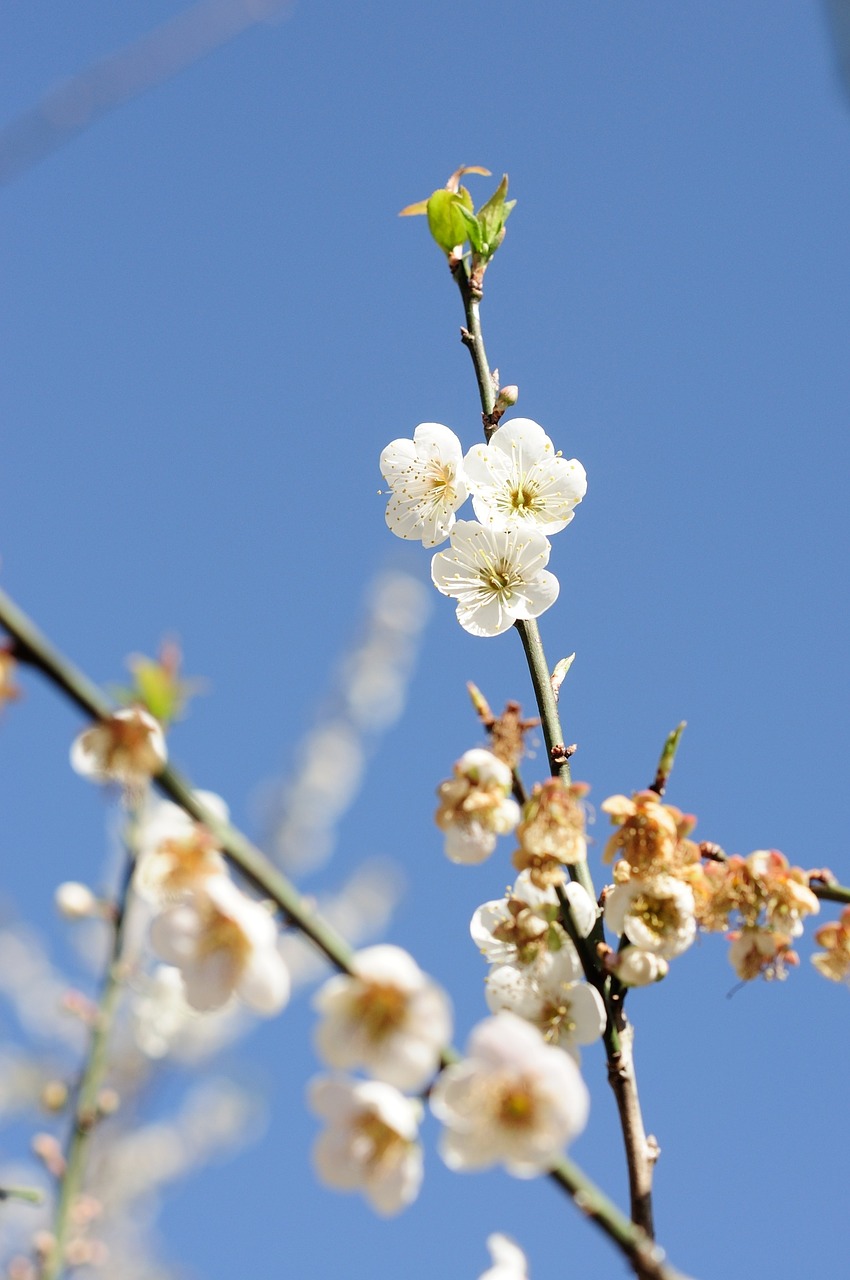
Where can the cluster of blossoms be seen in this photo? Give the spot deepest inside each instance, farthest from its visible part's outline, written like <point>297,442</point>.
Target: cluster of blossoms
<point>222,943</point>
<point>664,891</point>
<point>535,971</point>
<point>522,491</point>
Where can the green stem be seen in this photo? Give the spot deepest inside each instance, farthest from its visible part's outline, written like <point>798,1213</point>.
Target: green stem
<point>86,1112</point>
<point>645,1257</point>
<point>667,760</point>
<point>31,1195</point>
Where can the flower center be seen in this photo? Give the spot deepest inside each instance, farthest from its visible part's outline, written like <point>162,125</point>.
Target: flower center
<point>223,934</point>
<point>516,1105</point>
<point>378,1143</point>
<point>522,500</point>
<point>381,1009</point>
<point>660,915</point>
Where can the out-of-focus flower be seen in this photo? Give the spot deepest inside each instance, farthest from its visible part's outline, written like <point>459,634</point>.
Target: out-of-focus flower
<point>636,968</point>
<point>552,831</point>
<point>497,576</point>
<point>390,1018</point>
<point>834,961</point>
<point>651,836</point>
<point>427,481</point>
<point>370,1144</point>
<point>518,478</point>
<point>763,890</point>
<point>223,943</point>
<point>128,747</point>
<point>514,1100</point>
<point>9,691</point>
<point>175,853</point>
<point>656,915</point>
<point>509,1261</point>
<point>761,953</point>
<point>569,1013</point>
<point>476,806</point>
<point>76,901</point>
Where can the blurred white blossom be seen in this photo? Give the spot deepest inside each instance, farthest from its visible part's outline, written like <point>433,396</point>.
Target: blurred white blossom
<point>370,1143</point>
<point>390,1018</point>
<point>128,747</point>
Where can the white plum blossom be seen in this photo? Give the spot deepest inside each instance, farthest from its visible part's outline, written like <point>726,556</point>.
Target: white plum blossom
<point>175,853</point>
<point>389,1018</point>
<point>497,576</point>
<point>514,1100</point>
<point>518,478</point>
<point>370,1143</point>
<point>656,915</point>
<point>76,901</point>
<point>127,747</point>
<point>476,806</point>
<point>427,481</point>
<point>636,968</point>
<point>509,1261</point>
<point>519,928</point>
<point>567,1011</point>
<point>224,944</point>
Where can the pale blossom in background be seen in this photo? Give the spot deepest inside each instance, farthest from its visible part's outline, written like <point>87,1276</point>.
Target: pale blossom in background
<point>370,1143</point>
<point>497,576</point>
<point>128,748</point>
<point>513,1100</point>
<point>175,853</point>
<point>427,481</point>
<point>224,944</point>
<point>476,806</point>
<point>509,1261</point>
<point>389,1018</point>
<point>521,927</point>
<point>518,478</point>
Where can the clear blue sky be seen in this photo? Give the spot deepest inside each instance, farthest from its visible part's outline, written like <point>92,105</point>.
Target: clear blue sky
<point>212,323</point>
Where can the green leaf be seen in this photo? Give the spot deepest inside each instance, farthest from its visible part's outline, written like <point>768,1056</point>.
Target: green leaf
<point>446,219</point>
<point>493,215</point>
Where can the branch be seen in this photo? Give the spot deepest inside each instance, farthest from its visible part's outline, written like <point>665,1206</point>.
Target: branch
<point>86,1108</point>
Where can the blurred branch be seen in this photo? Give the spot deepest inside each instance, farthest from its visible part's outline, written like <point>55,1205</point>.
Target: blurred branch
<point>147,62</point>
<point>87,1110</point>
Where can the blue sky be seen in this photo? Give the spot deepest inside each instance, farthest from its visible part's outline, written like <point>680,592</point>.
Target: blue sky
<point>213,321</point>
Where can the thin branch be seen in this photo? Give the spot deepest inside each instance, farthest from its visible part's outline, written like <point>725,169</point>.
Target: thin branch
<point>640,1155</point>
<point>32,1195</point>
<point>86,1107</point>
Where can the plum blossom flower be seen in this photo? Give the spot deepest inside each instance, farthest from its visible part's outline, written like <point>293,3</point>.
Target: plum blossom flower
<point>370,1144</point>
<point>427,481</point>
<point>636,968</point>
<point>656,915</point>
<point>476,806</point>
<point>497,576</point>
<point>509,1261</point>
<point>568,1012</point>
<point>389,1018</point>
<point>761,953</point>
<point>523,926</point>
<point>127,747</point>
<point>224,944</point>
<point>517,478</point>
<point>834,961</point>
<point>175,853</point>
<point>514,1100</point>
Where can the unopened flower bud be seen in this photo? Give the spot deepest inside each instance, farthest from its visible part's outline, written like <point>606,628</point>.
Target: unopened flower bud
<point>108,1102</point>
<point>636,968</point>
<point>76,901</point>
<point>49,1152</point>
<point>508,397</point>
<point>54,1095</point>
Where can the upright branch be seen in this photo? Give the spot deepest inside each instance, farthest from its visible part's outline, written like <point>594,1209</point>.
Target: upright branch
<point>88,1108</point>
